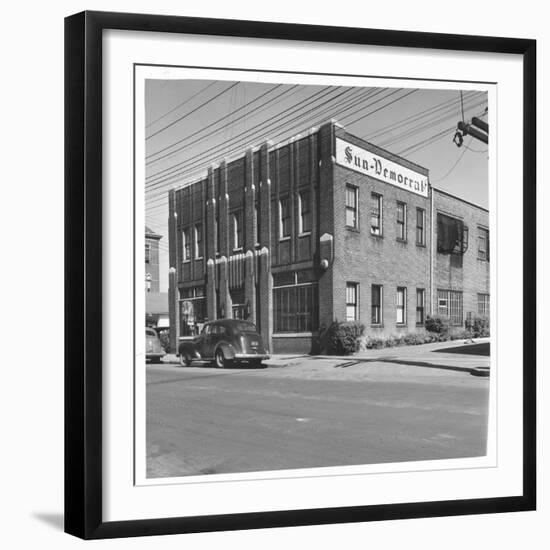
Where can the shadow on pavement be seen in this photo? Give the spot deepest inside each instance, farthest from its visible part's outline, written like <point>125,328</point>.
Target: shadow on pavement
<point>472,349</point>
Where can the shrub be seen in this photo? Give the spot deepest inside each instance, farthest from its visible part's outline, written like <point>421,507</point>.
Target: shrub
<point>343,338</point>
<point>477,326</point>
<point>438,325</point>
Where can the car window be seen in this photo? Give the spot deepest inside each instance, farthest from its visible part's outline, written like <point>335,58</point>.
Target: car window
<point>150,332</point>
<point>206,330</point>
<point>244,326</point>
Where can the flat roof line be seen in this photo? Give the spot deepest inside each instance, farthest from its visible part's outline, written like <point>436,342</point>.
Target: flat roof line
<point>459,198</point>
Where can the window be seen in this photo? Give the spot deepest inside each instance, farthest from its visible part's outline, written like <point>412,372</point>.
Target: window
<point>295,308</point>
<point>483,305</point>
<point>186,245</point>
<point>237,230</point>
<point>351,302</point>
<point>401,221</point>
<point>401,305</point>
<point>376,305</point>
<point>198,241</point>
<point>284,218</point>
<point>449,304</point>
<point>192,307</point>
<point>376,214</point>
<point>420,227</point>
<point>351,206</point>
<point>305,212</point>
<point>482,244</point>
<point>147,253</point>
<point>452,235</point>
<point>420,305</point>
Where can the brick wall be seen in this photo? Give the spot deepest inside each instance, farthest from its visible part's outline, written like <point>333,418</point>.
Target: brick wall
<point>471,275</point>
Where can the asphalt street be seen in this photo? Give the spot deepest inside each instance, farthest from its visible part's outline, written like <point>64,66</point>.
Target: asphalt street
<point>311,413</point>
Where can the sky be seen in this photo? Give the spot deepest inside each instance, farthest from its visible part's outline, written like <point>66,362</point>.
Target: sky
<point>192,124</point>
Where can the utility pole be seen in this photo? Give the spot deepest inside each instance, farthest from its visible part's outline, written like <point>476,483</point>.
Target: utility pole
<point>476,128</point>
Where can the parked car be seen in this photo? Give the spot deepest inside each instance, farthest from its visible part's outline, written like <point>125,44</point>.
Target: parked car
<point>153,347</point>
<point>225,342</point>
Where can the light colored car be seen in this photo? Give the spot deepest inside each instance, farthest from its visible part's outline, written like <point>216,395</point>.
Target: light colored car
<point>153,347</point>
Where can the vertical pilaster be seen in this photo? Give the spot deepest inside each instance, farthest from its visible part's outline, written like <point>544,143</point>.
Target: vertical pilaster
<point>265,282</point>
<point>173,312</point>
<point>249,284</point>
<point>225,296</point>
<point>249,199</point>
<point>223,205</point>
<point>210,216</point>
<point>326,221</point>
<point>265,198</point>
<point>211,289</point>
<point>174,266</point>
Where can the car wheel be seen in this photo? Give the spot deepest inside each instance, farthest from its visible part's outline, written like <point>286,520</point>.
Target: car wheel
<point>185,359</point>
<point>221,361</point>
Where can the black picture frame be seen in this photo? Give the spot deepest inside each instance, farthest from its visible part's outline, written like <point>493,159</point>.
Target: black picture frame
<point>83,273</point>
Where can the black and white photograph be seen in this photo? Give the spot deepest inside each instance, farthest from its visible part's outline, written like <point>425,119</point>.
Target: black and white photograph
<point>316,274</point>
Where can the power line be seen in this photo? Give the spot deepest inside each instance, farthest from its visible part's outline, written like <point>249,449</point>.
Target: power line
<point>453,166</point>
<point>191,112</point>
<point>185,171</point>
<point>217,122</point>
<point>181,104</point>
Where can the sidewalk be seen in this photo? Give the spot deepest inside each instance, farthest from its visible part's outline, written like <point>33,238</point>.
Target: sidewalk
<point>438,355</point>
<point>434,355</point>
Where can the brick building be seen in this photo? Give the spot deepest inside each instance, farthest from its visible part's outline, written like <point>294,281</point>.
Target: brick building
<point>325,226</point>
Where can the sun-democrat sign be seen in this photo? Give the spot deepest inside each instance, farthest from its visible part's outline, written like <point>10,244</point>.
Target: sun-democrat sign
<point>361,160</point>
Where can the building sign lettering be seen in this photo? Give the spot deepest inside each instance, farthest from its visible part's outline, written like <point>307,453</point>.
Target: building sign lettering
<point>380,168</point>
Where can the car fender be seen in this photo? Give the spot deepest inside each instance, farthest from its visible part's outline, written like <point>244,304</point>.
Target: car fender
<point>190,348</point>
<point>227,348</point>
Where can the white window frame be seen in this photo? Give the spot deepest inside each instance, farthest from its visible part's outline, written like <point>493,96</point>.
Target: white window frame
<point>380,199</point>
<point>185,245</point>
<point>301,216</point>
<point>355,304</point>
<point>196,228</point>
<point>283,237</point>
<point>236,216</point>
<point>404,306</point>
<point>355,208</point>
<point>404,224</point>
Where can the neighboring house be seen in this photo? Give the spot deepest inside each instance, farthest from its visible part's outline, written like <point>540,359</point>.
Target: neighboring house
<point>325,226</point>
<point>151,260</point>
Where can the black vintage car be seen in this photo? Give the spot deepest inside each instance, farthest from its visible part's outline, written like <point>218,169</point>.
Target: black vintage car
<point>225,342</point>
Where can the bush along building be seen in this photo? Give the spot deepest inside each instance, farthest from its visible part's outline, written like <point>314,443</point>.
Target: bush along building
<point>323,227</point>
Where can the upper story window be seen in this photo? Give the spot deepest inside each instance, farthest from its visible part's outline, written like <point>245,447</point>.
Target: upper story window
<point>198,241</point>
<point>185,245</point>
<point>483,243</point>
<point>237,230</point>
<point>284,218</point>
<point>401,221</point>
<point>351,206</point>
<point>304,203</point>
<point>420,227</point>
<point>452,235</point>
<point>376,214</point>
<point>147,253</point>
